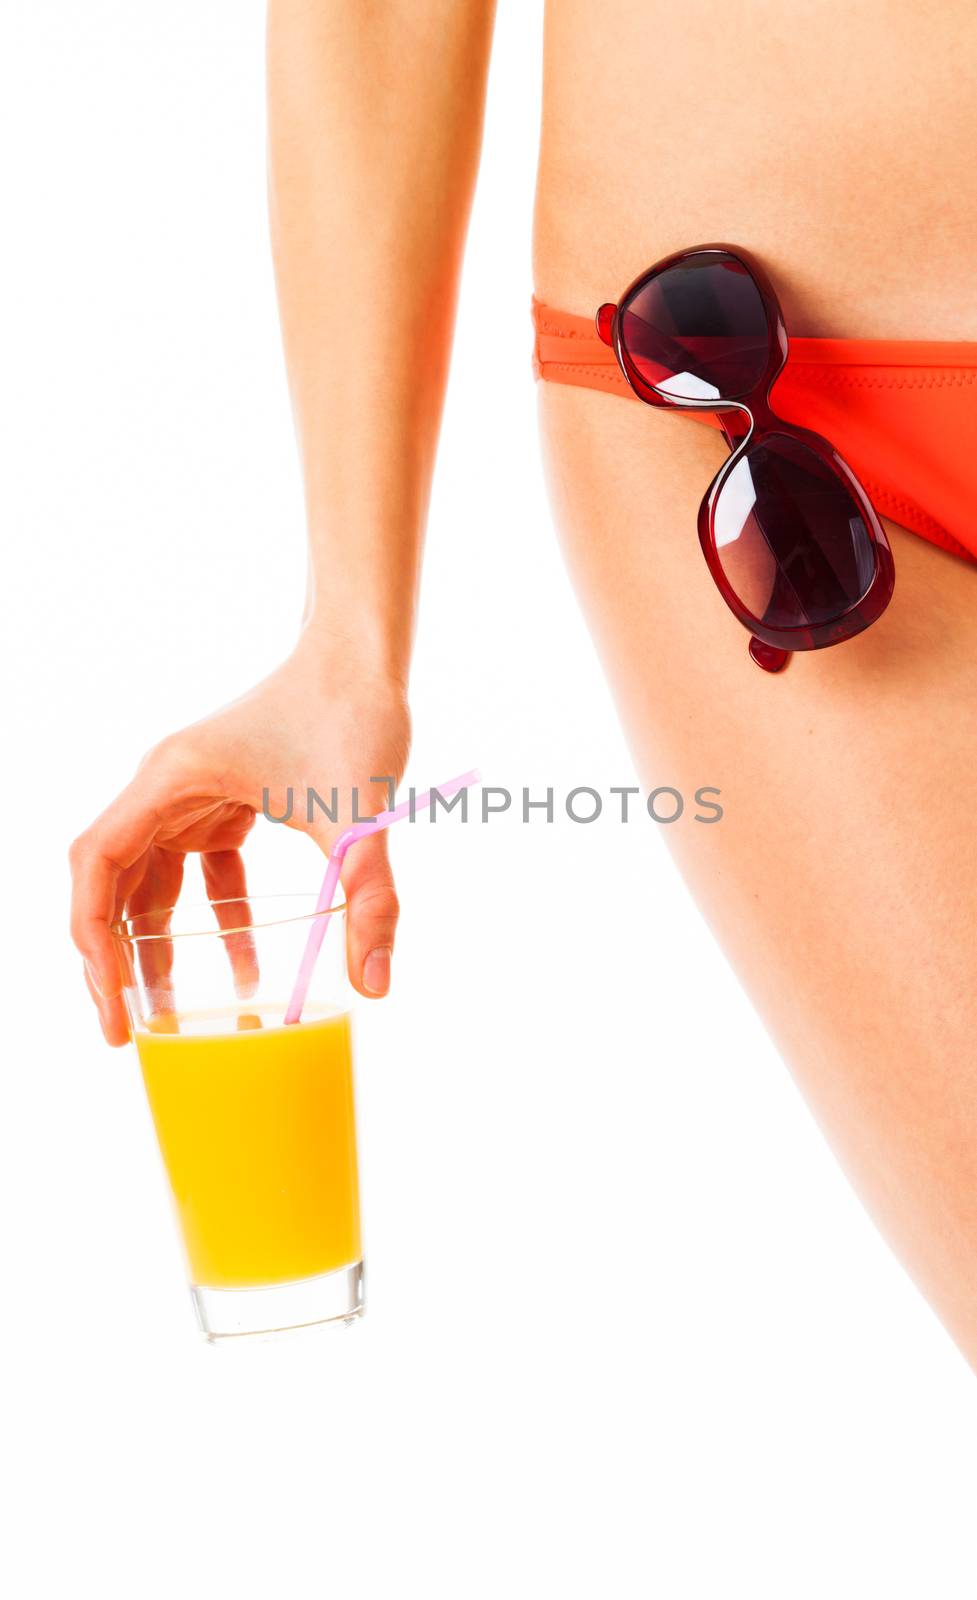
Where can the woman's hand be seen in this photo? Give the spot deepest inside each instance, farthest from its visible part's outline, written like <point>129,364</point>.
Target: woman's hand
<point>370,211</point>
<point>322,720</point>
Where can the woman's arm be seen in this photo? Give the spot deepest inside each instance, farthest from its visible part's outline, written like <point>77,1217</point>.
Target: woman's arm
<point>375,114</point>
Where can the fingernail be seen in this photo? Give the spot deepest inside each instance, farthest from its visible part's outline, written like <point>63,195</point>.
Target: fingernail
<point>376,971</point>
<point>93,979</point>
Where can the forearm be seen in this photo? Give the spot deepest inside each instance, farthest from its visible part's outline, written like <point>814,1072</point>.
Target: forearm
<point>375,114</point>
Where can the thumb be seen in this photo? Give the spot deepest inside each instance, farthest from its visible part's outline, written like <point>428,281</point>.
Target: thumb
<point>372,913</point>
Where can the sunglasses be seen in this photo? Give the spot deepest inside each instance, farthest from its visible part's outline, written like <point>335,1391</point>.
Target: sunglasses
<point>790,537</point>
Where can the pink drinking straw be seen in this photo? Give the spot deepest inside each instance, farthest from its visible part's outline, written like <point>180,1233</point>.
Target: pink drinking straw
<point>359,830</point>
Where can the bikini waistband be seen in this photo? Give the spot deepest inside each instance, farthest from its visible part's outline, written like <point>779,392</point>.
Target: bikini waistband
<point>567,350</point>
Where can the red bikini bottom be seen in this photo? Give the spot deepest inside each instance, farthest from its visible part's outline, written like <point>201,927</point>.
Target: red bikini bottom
<point>902,413</point>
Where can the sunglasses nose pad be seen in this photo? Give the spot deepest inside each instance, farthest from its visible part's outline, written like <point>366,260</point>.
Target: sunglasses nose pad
<point>605,323</point>
<point>768,656</point>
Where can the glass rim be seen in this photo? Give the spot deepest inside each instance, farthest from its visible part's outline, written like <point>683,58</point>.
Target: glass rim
<point>121,929</point>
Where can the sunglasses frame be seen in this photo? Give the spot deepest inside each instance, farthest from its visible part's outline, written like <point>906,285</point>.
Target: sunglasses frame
<point>770,647</point>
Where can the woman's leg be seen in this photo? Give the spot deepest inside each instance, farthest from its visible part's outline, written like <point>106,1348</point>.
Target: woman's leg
<point>842,879</point>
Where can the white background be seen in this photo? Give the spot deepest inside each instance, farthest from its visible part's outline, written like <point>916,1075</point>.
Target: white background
<point>628,1331</point>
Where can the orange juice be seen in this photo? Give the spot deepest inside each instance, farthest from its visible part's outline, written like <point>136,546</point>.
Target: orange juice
<point>257,1131</point>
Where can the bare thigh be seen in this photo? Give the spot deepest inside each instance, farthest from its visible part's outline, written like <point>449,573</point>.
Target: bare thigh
<point>842,879</point>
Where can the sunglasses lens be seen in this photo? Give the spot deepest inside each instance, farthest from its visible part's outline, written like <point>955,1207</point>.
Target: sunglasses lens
<point>698,330</point>
<point>791,540</point>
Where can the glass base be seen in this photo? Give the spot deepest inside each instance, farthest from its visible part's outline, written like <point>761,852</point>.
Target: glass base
<point>279,1307</point>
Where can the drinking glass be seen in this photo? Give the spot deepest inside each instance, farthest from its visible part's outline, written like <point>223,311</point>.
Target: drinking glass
<point>255,1118</point>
